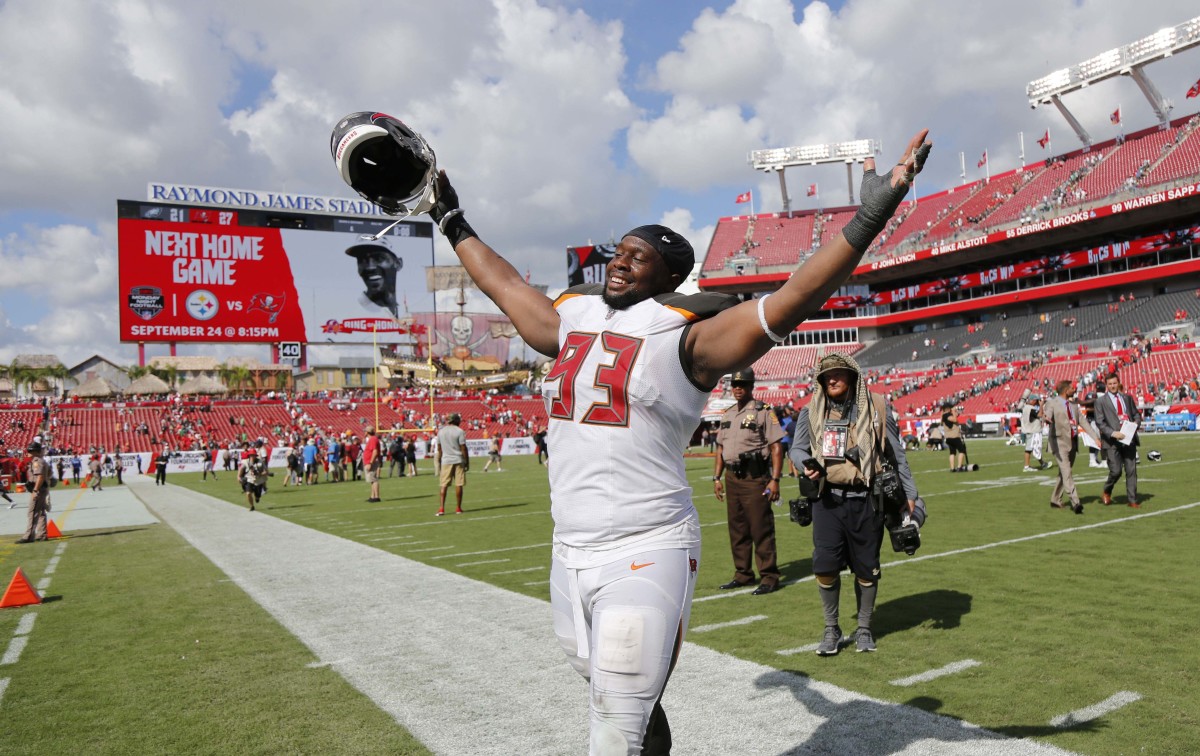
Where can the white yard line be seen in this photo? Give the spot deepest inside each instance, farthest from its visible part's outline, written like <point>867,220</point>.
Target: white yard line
<point>432,548</point>
<point>15,647</point>
<point>523,569</point>
<point>1095,711</point>
<point>494,551</point>
<point>486,561</point>
<point>25,625</point>
<point>811,647</point>
<point>3,687</point>
<point>933,674</point>
<point>43,585</point>
<point>732,623</point>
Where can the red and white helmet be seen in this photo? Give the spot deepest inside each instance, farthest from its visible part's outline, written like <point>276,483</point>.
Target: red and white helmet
<point>386,162</point>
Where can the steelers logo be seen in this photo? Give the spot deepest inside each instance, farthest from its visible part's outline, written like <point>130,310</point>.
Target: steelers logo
<point>202,304</point>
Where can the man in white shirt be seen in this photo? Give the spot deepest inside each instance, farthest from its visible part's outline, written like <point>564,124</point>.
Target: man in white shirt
<point>453,463</point>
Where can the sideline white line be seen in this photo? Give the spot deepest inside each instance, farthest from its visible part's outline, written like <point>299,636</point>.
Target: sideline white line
<point>486,561</point>
<point>51,566</point>
<point>732,623</point>
<point>43,585</point>
<point>1095,711</point>
<point>983,547</point>
<point>934,674</point>
<point>432,548</point>
<point>523,569</point>
<point>493,551</point>
<point>25,625</point>
<point>3,687</point>
<point>535,582</point>
<point>15,647</point>
<point>383,539</point>
<point>61,548</point>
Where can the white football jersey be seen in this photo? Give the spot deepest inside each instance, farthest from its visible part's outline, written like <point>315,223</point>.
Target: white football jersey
<point>621,412</point>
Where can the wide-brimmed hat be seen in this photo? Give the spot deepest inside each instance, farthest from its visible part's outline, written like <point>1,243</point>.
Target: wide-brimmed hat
<point>836,361</point>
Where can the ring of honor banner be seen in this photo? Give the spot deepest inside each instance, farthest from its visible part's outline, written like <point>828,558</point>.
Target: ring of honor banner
<point>1042,266</point>
<point>237,276</point>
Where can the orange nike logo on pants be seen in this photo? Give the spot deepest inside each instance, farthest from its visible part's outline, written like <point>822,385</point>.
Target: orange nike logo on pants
<point>636,566</point>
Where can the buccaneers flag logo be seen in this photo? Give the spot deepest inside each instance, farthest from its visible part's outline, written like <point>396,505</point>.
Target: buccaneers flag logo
<point>272,304</point>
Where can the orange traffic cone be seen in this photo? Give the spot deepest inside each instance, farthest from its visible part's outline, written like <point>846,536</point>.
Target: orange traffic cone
<point>20,592</point>
<point>86,480</point>
<point>52,530</point>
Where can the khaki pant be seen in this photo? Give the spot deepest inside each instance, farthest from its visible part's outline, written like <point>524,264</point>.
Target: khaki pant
<point>39,505</point>
<point>1066,478</point>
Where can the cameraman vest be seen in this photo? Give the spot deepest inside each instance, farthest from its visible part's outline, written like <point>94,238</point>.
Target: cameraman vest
<point>845,473</point>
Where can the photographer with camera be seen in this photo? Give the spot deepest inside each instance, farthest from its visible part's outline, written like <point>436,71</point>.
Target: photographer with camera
<point>749,446</point>
<point>855,481</point>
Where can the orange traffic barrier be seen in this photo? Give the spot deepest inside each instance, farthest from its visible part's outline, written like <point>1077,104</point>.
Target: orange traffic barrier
<point>52,530</point>
<point>20,592</point>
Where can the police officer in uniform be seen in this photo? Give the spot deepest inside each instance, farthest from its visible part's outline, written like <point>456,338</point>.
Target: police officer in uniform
<point>844,438</point>
<point>38,484</point>
<point>749,447</point>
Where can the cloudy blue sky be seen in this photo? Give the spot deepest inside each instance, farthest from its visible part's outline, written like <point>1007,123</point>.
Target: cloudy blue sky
<point>560,121</point>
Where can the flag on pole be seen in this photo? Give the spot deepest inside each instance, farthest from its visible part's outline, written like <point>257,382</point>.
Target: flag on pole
<point>743,197</point>
<point>527,275</point>
<point>1195,90</point>
<point>812,190</point>
<point>1116,116</point>
<point>1045,140</point>
<point>982,161</point>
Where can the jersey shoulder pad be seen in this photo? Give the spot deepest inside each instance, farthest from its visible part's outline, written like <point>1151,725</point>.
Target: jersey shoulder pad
<point>696,306</point>
<point>593,289</point>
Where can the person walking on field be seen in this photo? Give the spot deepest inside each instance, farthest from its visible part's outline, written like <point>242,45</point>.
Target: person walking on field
<point>634,364</point>
<point>494,448</point>
<point>1065,421</point>
<point>453,463</point>
<point>372,460</point>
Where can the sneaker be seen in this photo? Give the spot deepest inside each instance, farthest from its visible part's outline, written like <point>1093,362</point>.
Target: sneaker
<point>1027,469</point>
<point>863,640</point>
<point>458,511</point>
<point>831,643</point>
<point>1047,465</point>
<point>441,512</point>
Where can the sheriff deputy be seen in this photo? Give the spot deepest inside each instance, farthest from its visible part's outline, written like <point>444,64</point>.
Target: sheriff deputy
<point>749,447</point>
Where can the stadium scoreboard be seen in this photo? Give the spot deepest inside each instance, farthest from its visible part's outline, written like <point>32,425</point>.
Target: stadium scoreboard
<point>196,273</point>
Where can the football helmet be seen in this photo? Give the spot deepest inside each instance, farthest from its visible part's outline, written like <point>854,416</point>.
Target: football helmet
<point>386,162</point>
<point>1154,455</point>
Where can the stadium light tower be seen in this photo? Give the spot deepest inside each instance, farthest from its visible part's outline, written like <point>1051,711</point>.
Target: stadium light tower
<point>781,158</point>
<point>1129,60</point>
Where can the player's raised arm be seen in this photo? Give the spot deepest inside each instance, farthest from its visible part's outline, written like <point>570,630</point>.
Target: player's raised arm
<point>737,337</point>
<point>531,312</point>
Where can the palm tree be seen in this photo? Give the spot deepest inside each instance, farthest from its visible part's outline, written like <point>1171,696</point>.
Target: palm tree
<point>168,373</point>
<point>282,379</point>
<point>60,374</point>
<point>240,375</point>
<point>20,373</point>
<point>137,371</point>
<point>225,373</point>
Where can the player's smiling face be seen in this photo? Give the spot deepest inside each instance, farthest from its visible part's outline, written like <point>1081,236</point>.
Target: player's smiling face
<point>636,272</point>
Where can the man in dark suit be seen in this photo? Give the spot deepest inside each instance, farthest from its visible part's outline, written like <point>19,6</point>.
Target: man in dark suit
<point>1113,409</point>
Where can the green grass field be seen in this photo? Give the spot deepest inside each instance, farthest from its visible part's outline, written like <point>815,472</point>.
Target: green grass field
<point>154,651</point>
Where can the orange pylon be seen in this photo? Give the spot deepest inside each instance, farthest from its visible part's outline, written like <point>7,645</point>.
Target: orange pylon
<point>20,592</point>
<point>52,530</point>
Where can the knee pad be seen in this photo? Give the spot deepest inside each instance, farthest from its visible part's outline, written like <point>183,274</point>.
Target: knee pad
<point>827,583</point>
<point>627,657</point>
<point>865,583</point>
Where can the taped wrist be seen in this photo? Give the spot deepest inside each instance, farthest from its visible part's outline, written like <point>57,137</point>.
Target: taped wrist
<point>879,202</point>
<point>455,227</point>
